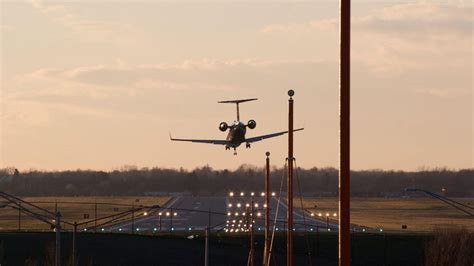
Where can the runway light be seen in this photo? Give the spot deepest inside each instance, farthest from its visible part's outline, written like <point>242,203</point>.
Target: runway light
<point>236,214</point>
<point>145,213</point>
<point>242,194</point>
<point>264,205</point>
<point>312,214</point>
<point>138,229</point>
<point>252,194</point>
<point>233,221</point>
<point>262,194</point>
<point>381,230</point>
<point>85,229</point>
<point>363,229</point>
<point>175,213</point>
<point>247,205</point>
<point>276,229</point>
<point>259,214</point>
<point>232,230</point>
<point>172,228</point>
<point>120,229</point>
<point>320,214</point>
<point>238,205</point>
<point>160,213</point>
<point>256,205</point>
<point>230,205</point>
<point>154,229</point>
<point>334,214</point>
<point>231,194</point>
<point>329,229</point>
<point>103,229</point>
<point>243,214</point>
<point>327,213</point>
<point>273,194</point>
<point>189,229</point>
<point>311,229</point>
<point>259,229</point>
<point>167,214</point>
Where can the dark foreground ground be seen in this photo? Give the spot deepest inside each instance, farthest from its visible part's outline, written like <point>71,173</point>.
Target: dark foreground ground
<point>116,249</point>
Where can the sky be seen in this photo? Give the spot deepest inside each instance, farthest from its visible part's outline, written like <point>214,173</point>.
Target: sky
<point>101,84</point>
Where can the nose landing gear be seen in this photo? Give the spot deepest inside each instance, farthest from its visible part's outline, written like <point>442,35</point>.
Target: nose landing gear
<point>247,145</point>
<point>235,151</point>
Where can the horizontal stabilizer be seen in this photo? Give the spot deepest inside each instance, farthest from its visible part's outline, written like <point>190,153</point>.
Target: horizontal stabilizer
<point>239,101</point>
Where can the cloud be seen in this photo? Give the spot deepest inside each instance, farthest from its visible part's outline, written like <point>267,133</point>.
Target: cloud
<point>93,30</point>
<point>122,89</point>
<point>402,37</point>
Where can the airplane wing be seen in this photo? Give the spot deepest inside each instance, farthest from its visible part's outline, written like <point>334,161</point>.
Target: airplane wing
<point>259,138</point>
<point>209,141</point>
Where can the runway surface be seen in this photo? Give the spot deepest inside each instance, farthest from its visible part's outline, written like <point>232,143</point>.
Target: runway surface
<point>221,213</point>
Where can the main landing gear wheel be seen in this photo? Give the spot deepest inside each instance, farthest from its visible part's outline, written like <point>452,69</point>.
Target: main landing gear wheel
<point>247,145</point>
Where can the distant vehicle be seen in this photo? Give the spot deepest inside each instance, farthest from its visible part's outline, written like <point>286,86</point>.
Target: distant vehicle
<point>237,130</point>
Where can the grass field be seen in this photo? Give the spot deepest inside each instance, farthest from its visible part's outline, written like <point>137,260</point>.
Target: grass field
<point>419,214</point>
<point>73,209</point>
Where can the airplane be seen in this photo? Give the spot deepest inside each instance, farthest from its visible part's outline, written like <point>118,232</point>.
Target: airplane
<point>237,130</point>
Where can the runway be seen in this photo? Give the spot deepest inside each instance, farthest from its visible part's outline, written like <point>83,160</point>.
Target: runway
<point>221,213</point>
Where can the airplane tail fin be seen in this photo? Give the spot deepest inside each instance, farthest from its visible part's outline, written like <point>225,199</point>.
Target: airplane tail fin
<point>237,104</point>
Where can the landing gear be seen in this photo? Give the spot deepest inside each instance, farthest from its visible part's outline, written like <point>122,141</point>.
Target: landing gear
<point>227,148</point>
<point>247,145</point>
<point>235,151</point>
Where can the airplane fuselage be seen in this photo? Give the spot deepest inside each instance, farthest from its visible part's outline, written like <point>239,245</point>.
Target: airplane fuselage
<point>236,134</point>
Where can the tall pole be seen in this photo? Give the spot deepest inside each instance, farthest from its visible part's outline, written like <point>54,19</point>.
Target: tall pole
<point>252,249</point>
<point>159,215</point>
<point>74,232</point>
<point>267,210</point>
<point>57,228</point>
<point>19,216</point>
<point>208,231</point>
<point>95,216</point>
<point>344,132</point>
<point>171,219</point>
<point>133,218</point>
<point>289,231</point>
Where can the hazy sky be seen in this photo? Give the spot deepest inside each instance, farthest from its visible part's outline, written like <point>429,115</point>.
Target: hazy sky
<point>99,84</point>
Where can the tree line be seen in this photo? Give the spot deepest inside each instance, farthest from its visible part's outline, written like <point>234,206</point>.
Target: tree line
<point>205,180</point>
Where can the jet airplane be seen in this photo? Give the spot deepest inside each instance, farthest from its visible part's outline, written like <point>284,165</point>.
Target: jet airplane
<point>237,130</point>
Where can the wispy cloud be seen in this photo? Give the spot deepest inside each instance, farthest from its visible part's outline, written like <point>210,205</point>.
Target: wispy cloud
<point>402,37</point>
<point>95,30</point>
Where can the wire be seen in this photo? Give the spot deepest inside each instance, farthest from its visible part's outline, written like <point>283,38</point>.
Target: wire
<point>304,213</point>
<point>276,214</point>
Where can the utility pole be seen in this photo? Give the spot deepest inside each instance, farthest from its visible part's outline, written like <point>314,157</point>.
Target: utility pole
<point>344,132</point>
<point>74,247</point>
<point>289,232</point>
<point>267,211</point>
<point>57,228</point>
